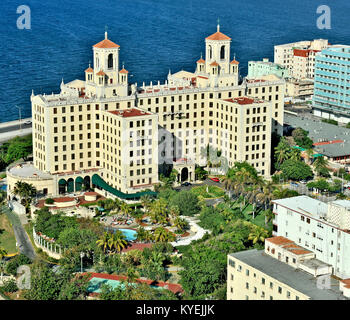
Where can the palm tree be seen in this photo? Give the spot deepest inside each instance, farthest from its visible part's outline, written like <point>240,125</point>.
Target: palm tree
<point>282,151</point>
<point>181,224</point>
<point>25,191</point>
<point>280,193</point>
<point>125,209</point>
<point>103,242</point>
<point>258,234</point>
<point>141,234</point>
<point>269,215</point>
<point>162,235</point>
<point>320,164</point>
<point>174,212</point>
<point>294,154</point>
<point>308,154</point>
<point>117,241</point>
<point>146,202</point>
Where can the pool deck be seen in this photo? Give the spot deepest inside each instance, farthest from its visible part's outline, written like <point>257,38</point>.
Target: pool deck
<point>175,288</point>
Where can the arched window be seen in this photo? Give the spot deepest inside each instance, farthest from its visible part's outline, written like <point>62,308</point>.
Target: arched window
<point>222,53</point>
<point>110,61</point>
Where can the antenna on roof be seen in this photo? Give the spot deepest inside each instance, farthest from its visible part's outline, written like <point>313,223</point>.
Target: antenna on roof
<point>218,24</point>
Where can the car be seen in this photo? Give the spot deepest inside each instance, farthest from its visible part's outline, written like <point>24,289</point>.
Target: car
<point>294,184</point>
<point>347,185</point>
<point>303,181</point>
<point>28,122</point>
<point>186,184</point>
<point>215,179</point>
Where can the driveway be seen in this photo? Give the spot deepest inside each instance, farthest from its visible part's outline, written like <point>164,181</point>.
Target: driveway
<point>23,241</point>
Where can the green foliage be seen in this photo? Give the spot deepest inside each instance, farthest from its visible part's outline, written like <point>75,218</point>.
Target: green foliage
<point>301,138</point>
<point>72,236</point>
<point>9,286</point>
<point>48,285</point>
<point>213,191</point>
<point>49,201</point>
<point>15,149</point>
<point>201,173</point>
<point>347,125</point>
<point>296,170</point>
<point>187,202</point>
<point>52,225</point>
<point>330,121</point>
<point>20,260</point>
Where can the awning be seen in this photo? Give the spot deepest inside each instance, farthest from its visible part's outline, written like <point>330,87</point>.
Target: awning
<point>79,180</point>
<point>98,181</point>
<point>62,182</point>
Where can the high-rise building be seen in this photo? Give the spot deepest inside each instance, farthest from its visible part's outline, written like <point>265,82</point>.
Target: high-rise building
<point>332,84</point>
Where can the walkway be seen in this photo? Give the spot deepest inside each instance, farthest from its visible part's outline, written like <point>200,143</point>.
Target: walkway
<point>24,243</point>
<point>199,233</point>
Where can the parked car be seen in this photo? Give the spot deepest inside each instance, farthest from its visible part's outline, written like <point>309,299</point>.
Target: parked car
<point>347,185</point>
<point>186,184</point>
<point>303,181</point>
<point>27,122</point>
<point>215,179</point>
<point>294,184</point>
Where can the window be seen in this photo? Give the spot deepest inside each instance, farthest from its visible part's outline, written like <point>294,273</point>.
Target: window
<point>279,290</point>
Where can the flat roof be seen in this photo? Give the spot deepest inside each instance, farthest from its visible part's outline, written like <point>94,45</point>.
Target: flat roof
<point>306,205</point>
<point>294,278</point>
<point>244,100</point>
<point>320,132</point>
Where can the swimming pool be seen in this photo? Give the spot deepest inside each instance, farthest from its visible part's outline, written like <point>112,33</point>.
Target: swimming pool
<point>3,187</point>
<point>96,283</point>
<point>129,234</point>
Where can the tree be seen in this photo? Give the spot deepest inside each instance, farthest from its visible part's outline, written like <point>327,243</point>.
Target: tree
<point>3,253</point>
<point>296,170</point>
<point>200,173</point>
<point>301,138</point>
<point>281,193</point>
<point>187,202</point>
<point>321,166</point>
<point>103,241</point>
<point>282,151</point>
<point>117,241</point>
<point>25,191</point>
<point>181,224</point>
<point>258,234</point>
<point>163,235</point>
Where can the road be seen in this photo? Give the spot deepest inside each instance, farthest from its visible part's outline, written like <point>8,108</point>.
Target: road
<point>24,243</point>
<point>15,127</point>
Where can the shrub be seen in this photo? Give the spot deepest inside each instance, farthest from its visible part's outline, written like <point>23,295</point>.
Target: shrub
<point>13,264</point>
<point>49,201</point>
<point>9,286</point>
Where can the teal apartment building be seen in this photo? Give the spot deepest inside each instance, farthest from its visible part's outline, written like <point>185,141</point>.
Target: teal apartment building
<point>331,98</point>
<point>258,69</point>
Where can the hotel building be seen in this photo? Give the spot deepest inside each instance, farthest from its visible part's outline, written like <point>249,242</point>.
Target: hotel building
<point>103,132</point>
<point>321,228</point>
<point>332,84</point>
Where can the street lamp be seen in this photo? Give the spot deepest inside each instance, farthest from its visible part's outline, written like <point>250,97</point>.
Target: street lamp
<point>82,254</point>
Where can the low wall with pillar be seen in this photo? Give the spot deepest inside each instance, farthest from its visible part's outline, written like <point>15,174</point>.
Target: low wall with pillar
<point>53,250</point>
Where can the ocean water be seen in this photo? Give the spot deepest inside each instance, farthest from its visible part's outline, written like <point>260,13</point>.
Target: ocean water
<point>154,36</point>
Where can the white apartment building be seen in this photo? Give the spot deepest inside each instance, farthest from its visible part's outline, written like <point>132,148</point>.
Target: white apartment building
<point>321,228</point>
<point>283,271</point>
<point>299,57</point>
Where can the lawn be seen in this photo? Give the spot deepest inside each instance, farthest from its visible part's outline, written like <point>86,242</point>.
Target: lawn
<point>212,192</point>
<point>7,236</point>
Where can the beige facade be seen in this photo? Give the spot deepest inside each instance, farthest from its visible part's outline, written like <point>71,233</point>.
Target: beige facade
<point>299,57</point>
<point>82,129</point>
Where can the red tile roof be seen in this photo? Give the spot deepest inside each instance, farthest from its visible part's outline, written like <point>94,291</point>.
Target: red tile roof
<point>101,73</point>
<point>327,142</point>
<point>234,61</point>
<point>129,113</point>
<point>301,53</point>
<point>218,36</point>
<point>201,61</point>
<point>214,64</point>
<point>106,44</point>
<point>279,240</point>
<point>123,71</point>
<point>89,70</point>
